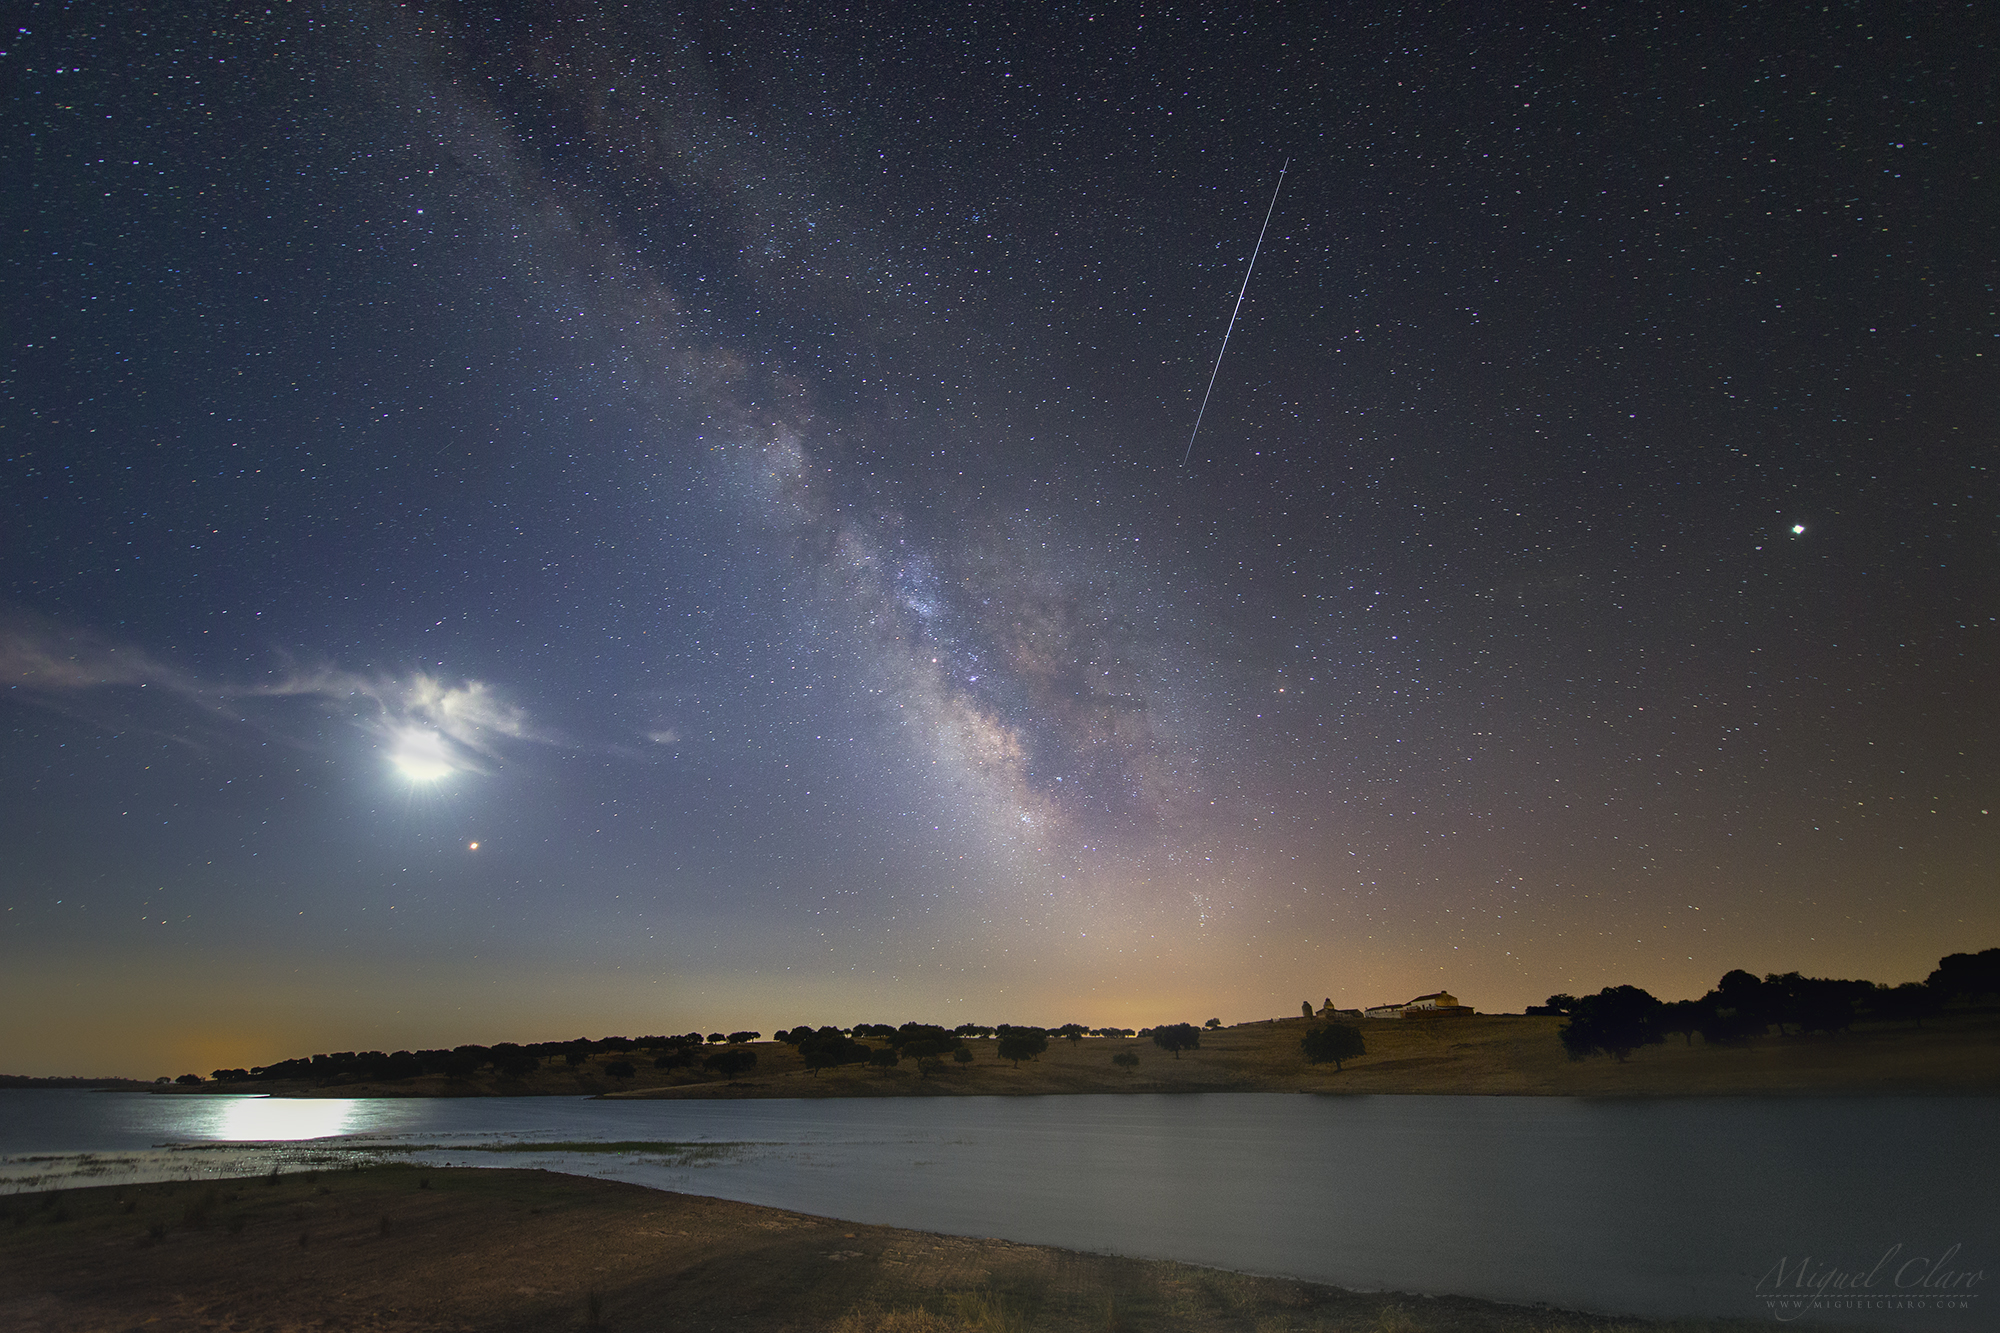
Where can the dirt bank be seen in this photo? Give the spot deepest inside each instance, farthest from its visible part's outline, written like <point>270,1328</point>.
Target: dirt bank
<point>396,1249</point>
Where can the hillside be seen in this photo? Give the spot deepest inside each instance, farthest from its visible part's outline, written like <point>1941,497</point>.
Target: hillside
<point>1507,1055</point>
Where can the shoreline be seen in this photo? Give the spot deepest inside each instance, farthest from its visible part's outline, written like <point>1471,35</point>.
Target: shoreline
<point>404,1247</point>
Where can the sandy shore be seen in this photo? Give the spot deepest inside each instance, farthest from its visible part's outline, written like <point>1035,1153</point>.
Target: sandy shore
<point>394,1248</point>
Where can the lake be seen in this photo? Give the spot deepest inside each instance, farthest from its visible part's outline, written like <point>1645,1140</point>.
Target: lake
<point>1884,1206</point>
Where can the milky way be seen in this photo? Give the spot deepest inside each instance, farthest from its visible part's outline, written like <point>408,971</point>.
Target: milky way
<point>726,466</point>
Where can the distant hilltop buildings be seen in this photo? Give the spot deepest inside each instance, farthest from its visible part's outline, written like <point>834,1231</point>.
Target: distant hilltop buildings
<point>1438,1004</point>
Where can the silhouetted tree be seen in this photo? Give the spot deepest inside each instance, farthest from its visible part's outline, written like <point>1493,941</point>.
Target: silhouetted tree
<point>1683,1017</point>
<point>963,1055</point>
<point>516,1064</point>
<point>1560,1003</point>
<point>1911,1000</point>
<point>1824,1004</point>
<point>830,1047</point>
<point>1072,1032</point>
<point>1733,1016</point>
<point>903,1036</point>
<point>1018,1044</point>
<point>1970,975</point>
<point>189,1079</point>
<point>1126,1060</point>
<point>738,1038</point>
<point>1337,1042</point>
<point>1744,1006</point>
<point>1781,998</point>
<point>731,1061</point>
<point>1212,1024</point>
<point>926,1052</point>
<point>1177,1037</point>
<point>926,1043</point>
<point>1617,1021</point>
<point>885,1058</point>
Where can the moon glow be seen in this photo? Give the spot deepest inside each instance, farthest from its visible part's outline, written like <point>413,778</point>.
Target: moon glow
<point>421,756</point>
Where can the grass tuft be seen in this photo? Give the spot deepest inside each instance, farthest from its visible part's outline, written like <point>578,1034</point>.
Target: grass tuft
<point>869,1319</point>
<point>1396,1319</point>
<point>988,1312</point>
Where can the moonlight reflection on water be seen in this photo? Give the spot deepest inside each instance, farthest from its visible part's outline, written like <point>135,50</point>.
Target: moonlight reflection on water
<point>283,1119</point>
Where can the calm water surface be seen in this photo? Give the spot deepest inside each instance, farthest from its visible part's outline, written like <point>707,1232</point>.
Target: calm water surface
<point>1675,1207</point>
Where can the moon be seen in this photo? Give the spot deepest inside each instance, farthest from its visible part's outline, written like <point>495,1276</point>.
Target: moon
<point>421,755</point>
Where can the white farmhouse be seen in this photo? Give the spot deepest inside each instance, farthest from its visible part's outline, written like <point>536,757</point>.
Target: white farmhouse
<point>1441,1004</point>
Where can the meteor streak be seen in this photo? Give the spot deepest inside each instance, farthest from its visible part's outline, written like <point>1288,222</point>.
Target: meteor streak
<point>1188,452</point>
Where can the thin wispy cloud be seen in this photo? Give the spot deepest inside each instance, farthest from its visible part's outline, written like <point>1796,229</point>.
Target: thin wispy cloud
<point>41,657</point>
<point>429,726</point>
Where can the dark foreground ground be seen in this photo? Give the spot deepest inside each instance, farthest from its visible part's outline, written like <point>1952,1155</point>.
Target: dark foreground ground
<point>397,1248</point>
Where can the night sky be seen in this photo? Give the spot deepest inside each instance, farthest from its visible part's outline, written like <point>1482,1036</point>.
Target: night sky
<point>725,462</point>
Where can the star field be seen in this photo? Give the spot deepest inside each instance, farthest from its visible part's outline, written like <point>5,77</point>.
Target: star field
<point>724,462</point>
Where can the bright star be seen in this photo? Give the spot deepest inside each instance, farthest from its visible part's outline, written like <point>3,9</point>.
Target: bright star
<point>1798,529</point>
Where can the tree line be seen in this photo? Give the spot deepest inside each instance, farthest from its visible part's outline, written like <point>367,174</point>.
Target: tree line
<point>507,1059</point>
<point>1618,1020</point>
<point>928,1045</point>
